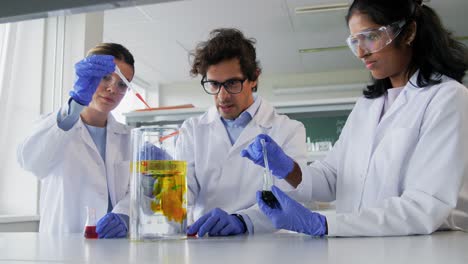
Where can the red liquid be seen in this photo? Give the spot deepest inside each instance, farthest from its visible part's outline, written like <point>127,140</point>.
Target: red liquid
<point>90,232</point>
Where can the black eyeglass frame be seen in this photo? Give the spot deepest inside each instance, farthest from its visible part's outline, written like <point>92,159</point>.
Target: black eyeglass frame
<point>222,84</point>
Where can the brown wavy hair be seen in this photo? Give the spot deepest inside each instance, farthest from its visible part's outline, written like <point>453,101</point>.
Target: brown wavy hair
<point>226,44</point>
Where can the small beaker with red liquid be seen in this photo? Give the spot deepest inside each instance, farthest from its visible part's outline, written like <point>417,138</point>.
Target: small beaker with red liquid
<point>90,226</point>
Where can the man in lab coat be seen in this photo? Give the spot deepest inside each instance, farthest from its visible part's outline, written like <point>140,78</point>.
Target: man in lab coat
<point>221,183</point>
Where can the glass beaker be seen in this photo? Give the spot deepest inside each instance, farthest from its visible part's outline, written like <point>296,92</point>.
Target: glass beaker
<point>158,207</point>
<point>90,226</point>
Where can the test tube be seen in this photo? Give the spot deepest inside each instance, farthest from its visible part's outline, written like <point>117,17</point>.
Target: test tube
<point>267,195</point>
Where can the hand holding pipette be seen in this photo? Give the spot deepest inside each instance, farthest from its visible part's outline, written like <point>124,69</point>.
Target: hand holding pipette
<point>89,73</point>
<point>119,73</point>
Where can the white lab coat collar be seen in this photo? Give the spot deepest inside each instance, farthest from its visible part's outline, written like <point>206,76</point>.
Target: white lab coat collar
<point>411,88</point>
<point>378,126</point>
<point>114,129</point>
<point>112,125</point>
<point>263,120</point>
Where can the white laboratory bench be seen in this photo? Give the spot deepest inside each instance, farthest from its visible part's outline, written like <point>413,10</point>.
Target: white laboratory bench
<point>284,248</point>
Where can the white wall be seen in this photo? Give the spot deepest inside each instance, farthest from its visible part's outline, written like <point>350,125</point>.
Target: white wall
<point>39,74</point>
<point>21,104</point>
<point>192,92</point>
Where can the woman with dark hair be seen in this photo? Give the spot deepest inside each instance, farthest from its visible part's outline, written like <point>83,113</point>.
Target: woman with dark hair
<point>402,157</point>
<point>81,153</point>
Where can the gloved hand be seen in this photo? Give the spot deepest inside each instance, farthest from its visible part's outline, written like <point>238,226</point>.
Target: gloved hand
<point>89,72</point>
<point>291,215</point>
<point>280,163</point>
<point>150,152</point>
<point>111,226</point>
<point>217,223</point>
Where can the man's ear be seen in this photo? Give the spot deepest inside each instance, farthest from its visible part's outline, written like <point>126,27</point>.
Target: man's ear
<point>411,33</point>
<point>257,73</point>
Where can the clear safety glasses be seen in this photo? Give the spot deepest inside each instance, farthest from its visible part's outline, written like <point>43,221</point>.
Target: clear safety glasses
<point>110,79</point>
<point>373,40</point>
<point>232,86</point>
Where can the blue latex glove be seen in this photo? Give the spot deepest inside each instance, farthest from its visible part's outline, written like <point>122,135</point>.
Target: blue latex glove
<point>89,72</point>
<point>280,163</point>
<point>150,152</point>
<point>291,215</point>
<point>217,223</point>
<point>111,226</point>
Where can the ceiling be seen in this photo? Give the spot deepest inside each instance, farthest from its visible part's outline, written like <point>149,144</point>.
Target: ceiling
<point>161,35</point>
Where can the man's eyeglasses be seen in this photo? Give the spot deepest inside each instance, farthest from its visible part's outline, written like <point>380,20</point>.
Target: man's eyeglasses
<point>110,79</point>
<point>232,86</point>
<point>374,40</point>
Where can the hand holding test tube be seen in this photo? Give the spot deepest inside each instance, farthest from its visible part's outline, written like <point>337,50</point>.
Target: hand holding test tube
<point>267,195</point>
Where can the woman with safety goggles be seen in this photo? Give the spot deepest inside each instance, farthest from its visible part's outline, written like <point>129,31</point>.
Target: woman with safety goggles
<point>81,153</point>
<point>402,157</point>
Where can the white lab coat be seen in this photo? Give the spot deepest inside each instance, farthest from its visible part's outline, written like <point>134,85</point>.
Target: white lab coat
<point>73,174</point>
<point>218,176</point>
<point>401,175</point>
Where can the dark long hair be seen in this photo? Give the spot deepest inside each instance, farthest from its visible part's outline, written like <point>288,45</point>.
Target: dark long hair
<point>435,51</point>
<point>225,44</point>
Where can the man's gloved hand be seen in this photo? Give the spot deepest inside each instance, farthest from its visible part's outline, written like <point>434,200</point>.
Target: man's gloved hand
<point>111,226</point>
<point>280,163</point>
<point>89,72</point>
<point>291,215</point>
<point>150,152</point>
<point>217,223</point>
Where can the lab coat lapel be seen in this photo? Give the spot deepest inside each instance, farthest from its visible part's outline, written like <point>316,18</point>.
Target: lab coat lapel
<point>111,149</point>
<point>387,119</point>
<point>399,103</point>
<point>217,128</point>
<point>370,127</point>
<point>394,108</point>
<point>246,137</point>
<point>113,141</point>
<point>87,139</point>
<point>260,123</point>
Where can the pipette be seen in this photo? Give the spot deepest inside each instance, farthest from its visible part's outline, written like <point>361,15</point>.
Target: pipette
<point>161,139</point>
<point>267,195</point>
<point>119,73</point>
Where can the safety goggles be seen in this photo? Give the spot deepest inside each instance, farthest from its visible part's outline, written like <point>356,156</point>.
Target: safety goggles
<point>373,40</point>
<point>111,80</point>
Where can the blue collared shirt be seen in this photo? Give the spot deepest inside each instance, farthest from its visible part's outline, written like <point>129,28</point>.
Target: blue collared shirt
<point>234,127</point>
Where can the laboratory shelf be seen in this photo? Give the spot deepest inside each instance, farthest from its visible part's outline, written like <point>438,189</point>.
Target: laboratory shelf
<point>177,116</point>
<point>316,106</point>
<point>161,117</point>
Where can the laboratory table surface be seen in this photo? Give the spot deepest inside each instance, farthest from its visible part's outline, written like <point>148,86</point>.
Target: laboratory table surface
<point>284,248</point>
